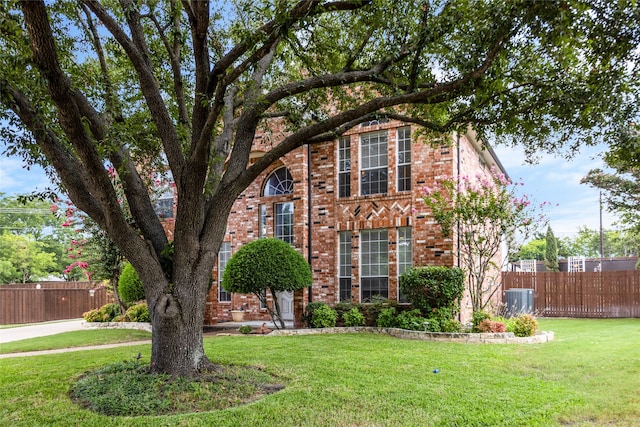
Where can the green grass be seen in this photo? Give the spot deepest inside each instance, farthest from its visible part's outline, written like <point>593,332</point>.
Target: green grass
<point>588,376</point>
<point>75,339</point>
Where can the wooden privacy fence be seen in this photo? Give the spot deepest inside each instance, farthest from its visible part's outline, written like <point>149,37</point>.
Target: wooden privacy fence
<point>597,294</point>
<point>28,304</point>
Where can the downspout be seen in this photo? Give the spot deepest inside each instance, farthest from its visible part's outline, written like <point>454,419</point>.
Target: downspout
<point>309,223</point>
<point>458,173</point>
<point>458,225</point>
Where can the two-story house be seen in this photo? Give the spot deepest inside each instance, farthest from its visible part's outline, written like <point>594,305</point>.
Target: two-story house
<point>353,207</point>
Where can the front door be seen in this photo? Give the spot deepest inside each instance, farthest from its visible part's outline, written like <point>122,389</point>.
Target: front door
<point>285,300</point>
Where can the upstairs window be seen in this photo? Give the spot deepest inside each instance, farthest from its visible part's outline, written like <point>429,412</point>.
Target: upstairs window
<point>279,182</point>
<point>404,158</point>
<point>373,163</point>
<point>344,167</point>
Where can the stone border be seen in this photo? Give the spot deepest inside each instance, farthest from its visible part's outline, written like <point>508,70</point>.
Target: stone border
<point>477,338</point>
<point>141,326</point>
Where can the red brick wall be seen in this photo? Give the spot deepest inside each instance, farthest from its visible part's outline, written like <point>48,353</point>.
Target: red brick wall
<point>331,214</point>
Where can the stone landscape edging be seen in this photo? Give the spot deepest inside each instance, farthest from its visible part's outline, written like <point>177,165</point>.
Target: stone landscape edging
<point>479,338</point>
<point>141,326</point>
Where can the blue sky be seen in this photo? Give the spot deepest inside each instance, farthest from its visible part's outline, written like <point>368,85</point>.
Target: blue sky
<point>553,180</point>
<point>557,180</point>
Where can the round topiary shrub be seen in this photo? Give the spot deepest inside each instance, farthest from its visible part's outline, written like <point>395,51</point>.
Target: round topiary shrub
<point>129,285</point>
<point>353,317</point>
<point>138,313</point>
<point>524,325</point>
<point>267,264</point>
<point>324,317</point>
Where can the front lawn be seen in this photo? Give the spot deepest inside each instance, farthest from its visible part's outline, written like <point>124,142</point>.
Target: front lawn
<point>590,375</point>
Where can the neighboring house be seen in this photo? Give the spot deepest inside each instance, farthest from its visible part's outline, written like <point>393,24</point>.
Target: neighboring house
<point>353,208</point>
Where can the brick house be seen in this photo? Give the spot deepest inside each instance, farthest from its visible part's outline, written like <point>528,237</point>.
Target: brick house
<point>353,208</point>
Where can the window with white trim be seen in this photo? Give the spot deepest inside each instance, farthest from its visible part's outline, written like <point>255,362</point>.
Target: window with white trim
<point>223,257</point>
<point>374,264</point>
<point>344,166</point>
<point>373,163</point>
<point>262,230</point>
<point>403,143</point>
<point>284,222</point>
<point>279,182</point>
<point>344,265</point>
<point>404,256</point>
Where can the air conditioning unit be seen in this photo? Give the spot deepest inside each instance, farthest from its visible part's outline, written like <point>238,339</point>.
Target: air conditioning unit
<point>518,301</point>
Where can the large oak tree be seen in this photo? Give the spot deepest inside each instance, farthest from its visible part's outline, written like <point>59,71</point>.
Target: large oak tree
<point>90,84</point>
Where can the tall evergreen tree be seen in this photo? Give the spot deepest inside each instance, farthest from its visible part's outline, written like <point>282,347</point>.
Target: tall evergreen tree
<point>551,251</point>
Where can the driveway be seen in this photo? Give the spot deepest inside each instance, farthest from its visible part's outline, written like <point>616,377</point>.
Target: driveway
<point>39,330</point>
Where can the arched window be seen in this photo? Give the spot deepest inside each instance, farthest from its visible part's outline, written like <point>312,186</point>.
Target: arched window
<point>279,182</point>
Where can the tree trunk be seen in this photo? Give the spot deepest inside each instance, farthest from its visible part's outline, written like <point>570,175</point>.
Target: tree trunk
<point>177,347</point>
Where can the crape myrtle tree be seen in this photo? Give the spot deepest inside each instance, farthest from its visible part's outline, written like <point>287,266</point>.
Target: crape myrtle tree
<point>183,86</point>
<point>485,214</point>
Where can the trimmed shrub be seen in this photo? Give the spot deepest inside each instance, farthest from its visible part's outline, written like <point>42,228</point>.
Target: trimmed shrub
<point>138,313</point>
<point>433,287</point>
<point>372,311</point>
<point>387,318</point>
<point>245,329</point>
<point>106,313</point>
<point>307,317</point>
<point>324,317</point>
<point>129,285</point>
<point>411,320</point>
<point>477,317</point>
<point>353,317</point>
<point>524,325</point>
<point>488,325</point>
<point>94,315</point>
<point>110,311</point>
<point>450,325</point>
<point>266,264</point>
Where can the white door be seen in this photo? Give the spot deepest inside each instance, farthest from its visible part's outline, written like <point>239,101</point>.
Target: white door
<point>285,299</point>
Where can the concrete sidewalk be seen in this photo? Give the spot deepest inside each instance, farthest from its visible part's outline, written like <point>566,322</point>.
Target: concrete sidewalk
<point>39,330</point>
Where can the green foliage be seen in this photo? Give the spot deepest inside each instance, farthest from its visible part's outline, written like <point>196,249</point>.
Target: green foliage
<point>107,313</point>
<point>23,259</point>
<point>486,211</point>
<point>551,251</point>
<point>266,264</point>
<point>442,320</point>
<point>324,317</point>
<point>387,318</point>
<point>621,187</point>
<point>307,317</point>
<point>95,315</point>
<point>411,320</point>
<point>129,285</point>
<point>353,317</point>
<point>138,313</point>
<point>129,389</point>
<point>524,325</point>
<point>245,329</point>
<point>477,317</point>
<point>429,288</point>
